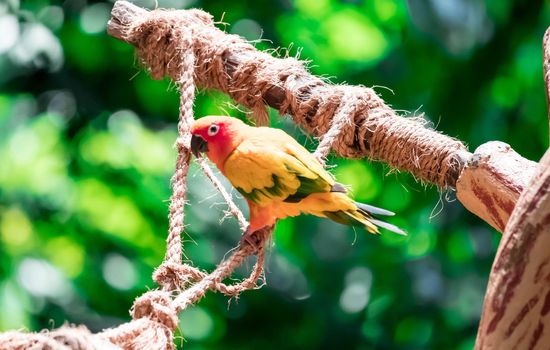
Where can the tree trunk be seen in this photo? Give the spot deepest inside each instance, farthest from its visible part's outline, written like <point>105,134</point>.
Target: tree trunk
<point>516,310</point>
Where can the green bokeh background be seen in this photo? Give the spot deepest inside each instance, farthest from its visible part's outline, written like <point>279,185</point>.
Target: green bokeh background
<point>86,156</point>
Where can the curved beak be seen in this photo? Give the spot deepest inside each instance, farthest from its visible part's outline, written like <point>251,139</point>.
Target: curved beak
<point>198,145</point>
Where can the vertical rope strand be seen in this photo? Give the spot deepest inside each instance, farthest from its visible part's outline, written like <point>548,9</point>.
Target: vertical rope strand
<point>233,209</point>
<point>176,216</point>
<point>343,116</point>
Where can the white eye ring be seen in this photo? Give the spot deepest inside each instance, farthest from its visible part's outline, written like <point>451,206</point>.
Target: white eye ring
<point>213,129</point>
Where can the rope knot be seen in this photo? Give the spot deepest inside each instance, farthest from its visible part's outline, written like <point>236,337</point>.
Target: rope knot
<point>157,306</point>
<point>340,132</point>
<point>162,37</point>
<point>173,276</point>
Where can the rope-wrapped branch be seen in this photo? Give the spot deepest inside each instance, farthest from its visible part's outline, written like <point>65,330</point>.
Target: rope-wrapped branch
<point>254,78</point>
<point>355,120</point>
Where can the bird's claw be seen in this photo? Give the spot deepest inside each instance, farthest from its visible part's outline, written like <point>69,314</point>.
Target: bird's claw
<point>251,238</point>
<point>255,239</point>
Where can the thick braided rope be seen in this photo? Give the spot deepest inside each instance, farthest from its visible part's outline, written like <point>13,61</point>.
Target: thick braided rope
<point>179,182</point>
<point>64,338</point>
<point>254,79</point>
<point>142,333</point>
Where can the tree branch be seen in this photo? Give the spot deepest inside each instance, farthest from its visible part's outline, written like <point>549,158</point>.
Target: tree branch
<point>490,184</point>
<point>516,310</point>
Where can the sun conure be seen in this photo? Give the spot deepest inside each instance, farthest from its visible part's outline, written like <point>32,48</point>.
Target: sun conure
<point>277,176</point>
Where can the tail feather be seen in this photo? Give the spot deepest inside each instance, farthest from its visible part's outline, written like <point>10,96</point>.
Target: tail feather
<point>388,226</point>
<point>371,209</point>
<point>364,216</point>
<point>351,218</point>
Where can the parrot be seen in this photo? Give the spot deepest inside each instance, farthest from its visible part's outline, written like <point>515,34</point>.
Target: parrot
<point>277,176</point>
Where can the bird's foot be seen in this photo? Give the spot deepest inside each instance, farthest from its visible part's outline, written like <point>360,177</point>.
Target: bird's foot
<point>255,239</point>
<point>252,239</point>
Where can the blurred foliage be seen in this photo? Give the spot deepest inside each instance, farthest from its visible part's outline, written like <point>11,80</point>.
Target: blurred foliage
<point>86,156</point>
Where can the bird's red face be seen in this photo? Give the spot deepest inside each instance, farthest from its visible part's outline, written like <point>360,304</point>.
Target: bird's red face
<point>216,136</point>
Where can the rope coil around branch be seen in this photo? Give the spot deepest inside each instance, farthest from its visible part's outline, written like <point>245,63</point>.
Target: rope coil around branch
<point>342,121</point>
<point>254,79</point>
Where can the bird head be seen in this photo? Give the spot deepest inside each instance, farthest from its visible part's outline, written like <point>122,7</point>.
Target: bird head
<point>217,136</point>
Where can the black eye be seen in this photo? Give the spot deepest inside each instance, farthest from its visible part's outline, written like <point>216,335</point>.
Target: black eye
<point>213,129</point>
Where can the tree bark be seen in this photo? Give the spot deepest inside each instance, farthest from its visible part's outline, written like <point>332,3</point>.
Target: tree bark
<point>492,181</point>
<point>516,310</point>
<point>546,66</point>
